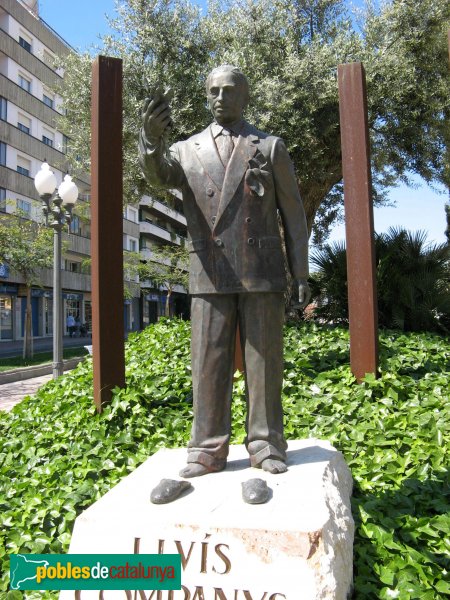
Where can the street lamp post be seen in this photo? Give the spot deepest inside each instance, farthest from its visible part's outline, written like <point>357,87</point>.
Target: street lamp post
<point>59,202</point>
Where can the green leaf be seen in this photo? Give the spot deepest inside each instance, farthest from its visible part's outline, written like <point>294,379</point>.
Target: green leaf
<point>443,587</point>
<point>401,497</point>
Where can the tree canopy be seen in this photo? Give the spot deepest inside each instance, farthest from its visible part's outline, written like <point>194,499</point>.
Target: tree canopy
<point>27,248</point>
<point>289,50</point>
<point>167,268</point>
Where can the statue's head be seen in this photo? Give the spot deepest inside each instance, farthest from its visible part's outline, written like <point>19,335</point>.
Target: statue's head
<point>227,93</point>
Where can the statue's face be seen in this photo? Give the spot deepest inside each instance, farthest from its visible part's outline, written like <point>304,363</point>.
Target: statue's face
<point>226,97</point>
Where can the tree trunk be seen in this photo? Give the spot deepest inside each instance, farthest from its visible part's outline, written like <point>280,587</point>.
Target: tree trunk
<point>313,194</point>
<point>167,308</point>
<point>28,337</point>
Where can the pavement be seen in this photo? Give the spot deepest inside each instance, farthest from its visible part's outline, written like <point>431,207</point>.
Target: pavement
<point>14,392</point>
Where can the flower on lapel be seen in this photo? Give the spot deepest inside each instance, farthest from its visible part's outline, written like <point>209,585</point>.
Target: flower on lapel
<point>257,179</point>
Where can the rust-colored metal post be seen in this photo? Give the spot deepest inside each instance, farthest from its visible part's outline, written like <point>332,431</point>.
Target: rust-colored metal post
<point>107,229</point>
<point>362,295</point>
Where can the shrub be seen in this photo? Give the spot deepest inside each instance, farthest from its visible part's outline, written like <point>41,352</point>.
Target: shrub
<point>413,282</point>
<point>57,456</point>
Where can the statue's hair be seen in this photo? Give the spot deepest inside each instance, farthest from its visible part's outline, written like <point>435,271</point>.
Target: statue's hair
<point>229,69</point>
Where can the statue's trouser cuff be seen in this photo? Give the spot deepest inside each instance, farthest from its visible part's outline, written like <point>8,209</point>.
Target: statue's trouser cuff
<point>209,461</point>
<point>268,451</point>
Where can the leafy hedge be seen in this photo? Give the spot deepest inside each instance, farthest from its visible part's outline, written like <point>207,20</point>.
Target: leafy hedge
<point>57,456</point>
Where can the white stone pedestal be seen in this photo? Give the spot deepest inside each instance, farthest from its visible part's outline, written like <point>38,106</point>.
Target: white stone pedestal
<point>298,546</point>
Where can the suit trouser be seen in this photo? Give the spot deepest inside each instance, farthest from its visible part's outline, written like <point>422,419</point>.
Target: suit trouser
<point>214,319</point>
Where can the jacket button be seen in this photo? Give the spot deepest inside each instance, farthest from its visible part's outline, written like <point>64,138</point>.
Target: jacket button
<point>251,241</point>
<point>210,192</point>
<point>213,219</point>
<point>219,242</point>
<point>248,219</point>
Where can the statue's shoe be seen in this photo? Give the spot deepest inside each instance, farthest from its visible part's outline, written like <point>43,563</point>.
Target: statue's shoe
<point>168,490</point>
<point>255,491</point>
<point>197,469</point>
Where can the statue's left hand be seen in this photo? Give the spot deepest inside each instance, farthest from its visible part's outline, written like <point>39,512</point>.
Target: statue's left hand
<point>304,293</point>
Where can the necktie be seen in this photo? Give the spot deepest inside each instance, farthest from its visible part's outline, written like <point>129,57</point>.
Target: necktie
<point>226,146</point>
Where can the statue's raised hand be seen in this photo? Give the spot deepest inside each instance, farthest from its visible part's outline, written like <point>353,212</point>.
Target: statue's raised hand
<point>156,114</point>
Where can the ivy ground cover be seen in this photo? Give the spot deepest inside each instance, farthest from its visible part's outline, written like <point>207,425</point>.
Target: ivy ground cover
<point>57,456</point>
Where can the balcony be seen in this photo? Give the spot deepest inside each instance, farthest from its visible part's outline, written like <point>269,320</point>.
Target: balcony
<point>147,254</point>
<point>157,207</point>
<point>159,233</point>
<point>149,285</point>
<point>77,243</point>
<point>79,282</point>
<point>15,182</point>
<point>32,146</point>
<point>18,96</point>
<point>131,228</point>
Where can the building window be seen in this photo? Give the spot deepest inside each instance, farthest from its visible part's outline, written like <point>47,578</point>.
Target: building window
<point>24,207</point>
<point>2,199</point>
<point>3,108</point>
<point>25,44</point>
<point>23,166</point>
<point>6,318</point>
<point>49,59</point>
<point>132,245</point>
<point>23,127</point>
<point>23,170</point>
<point>48,141</point>
<point>73,266</point>
<point>23,123</point>
<point>74,226</point>
<point>65,143</point>
<point>25,83</point>
<point>132,214</point>
<point>48,101</point>
<point>2,153</point>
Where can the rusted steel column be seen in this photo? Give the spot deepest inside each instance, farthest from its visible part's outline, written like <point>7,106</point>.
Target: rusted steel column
<point>107,229</point>
<point>362,295</point>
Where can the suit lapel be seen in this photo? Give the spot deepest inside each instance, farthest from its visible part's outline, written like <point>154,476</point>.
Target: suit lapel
<point>209,158</point>
<point>244,150</point>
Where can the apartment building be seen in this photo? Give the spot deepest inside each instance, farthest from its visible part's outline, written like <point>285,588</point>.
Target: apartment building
<point>160,224</point>
<point>29,110</point>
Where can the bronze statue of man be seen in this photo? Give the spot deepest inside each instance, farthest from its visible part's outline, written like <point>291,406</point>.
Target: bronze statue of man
<point>234,181</point>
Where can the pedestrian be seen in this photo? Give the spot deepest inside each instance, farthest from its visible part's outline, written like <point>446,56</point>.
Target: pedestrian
<point>70,324</point>
<point>77,328</point>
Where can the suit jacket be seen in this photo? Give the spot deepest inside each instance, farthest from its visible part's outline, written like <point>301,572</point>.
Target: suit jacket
<point>234,239</point>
